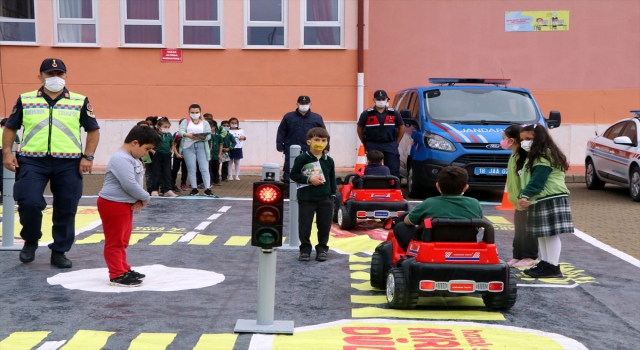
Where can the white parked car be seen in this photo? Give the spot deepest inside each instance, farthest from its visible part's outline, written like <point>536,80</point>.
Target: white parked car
<point>614,157</point>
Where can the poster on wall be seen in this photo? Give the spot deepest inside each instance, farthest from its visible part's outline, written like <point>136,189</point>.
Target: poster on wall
<point>536,21</point>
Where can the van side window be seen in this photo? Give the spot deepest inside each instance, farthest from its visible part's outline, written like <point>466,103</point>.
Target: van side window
<point>399,101</point>
<point>614,131</point>
<point>414,106</point>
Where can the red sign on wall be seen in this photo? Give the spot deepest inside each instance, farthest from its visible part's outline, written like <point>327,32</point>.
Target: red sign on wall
<point>171,55</point>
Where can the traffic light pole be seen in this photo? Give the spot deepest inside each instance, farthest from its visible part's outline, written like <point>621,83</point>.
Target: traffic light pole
<point>294,238</point>
<point>8,179</point>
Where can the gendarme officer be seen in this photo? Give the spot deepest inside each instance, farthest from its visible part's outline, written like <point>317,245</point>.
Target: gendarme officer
<point>293,131</point>
<point>380,129</point>
<point>51,152</point>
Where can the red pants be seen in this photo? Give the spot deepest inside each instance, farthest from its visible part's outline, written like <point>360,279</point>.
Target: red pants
<point>117,222</point>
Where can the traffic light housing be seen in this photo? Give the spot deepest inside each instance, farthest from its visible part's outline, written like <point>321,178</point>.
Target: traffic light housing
<point>268,210</point>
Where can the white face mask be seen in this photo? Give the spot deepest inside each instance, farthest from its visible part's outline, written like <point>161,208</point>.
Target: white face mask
<point>195,115</point>
<point>234,126</point>
<point>526,145</point>
<point>54,84</point>
<point>303,108</point>
<point>166,131</point>
<point>381,104</point>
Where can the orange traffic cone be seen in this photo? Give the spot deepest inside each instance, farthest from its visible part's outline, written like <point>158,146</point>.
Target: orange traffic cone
<point>361,160</point>
<point>506,205</point>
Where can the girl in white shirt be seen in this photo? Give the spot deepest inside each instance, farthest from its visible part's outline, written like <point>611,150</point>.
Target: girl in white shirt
<point>235,154</point>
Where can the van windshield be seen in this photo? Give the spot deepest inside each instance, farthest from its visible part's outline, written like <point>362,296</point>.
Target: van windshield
<point>473,106</point>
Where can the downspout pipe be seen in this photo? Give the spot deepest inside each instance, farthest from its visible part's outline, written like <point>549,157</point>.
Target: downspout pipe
<point>360,88</point>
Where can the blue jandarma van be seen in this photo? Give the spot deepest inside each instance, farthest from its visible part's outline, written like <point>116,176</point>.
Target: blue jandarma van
<point>460,122</point>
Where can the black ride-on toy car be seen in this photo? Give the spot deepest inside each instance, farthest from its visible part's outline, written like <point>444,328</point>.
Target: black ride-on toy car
<point>442,257</point>
<point>368,197</point>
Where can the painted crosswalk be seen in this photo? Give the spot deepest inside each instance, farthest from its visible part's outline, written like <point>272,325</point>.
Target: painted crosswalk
<point>97,340</point>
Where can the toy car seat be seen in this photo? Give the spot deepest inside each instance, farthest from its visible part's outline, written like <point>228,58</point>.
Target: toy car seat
<point>377,182</point>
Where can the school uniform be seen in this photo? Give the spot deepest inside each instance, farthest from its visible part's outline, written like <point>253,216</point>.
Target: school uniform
<point>161,164</point>
<point>214,164</point>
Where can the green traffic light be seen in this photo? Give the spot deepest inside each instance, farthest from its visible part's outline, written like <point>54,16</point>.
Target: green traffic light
<point>267,236</point>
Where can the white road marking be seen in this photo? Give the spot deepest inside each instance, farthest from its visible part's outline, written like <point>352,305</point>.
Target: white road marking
<point>214,216</point>
<point>548,285</point>
<point>52,345</point>
<point>261,342</point>
<point>188,237</point>
<point>203,225</point>
<point>607,248</point>
<point>223,209</point>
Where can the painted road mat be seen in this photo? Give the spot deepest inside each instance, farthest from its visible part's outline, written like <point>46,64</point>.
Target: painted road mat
<point>202,277</point>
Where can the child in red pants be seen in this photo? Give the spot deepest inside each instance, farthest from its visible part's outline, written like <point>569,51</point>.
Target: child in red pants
<point>121,195</point>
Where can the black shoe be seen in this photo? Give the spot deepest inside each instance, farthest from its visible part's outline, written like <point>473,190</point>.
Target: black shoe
<point>208,193</point>
<point>60,260</point>
<point>176,189</point>
<point>217,184</point>
<point>547,271</point>
<point>201,186</point>
<point>304,257</point>
<point>136,275</point>
<point>28,252</point>
<point>194,192</point>
<point>125,280</point>
<point>538,267</point>
<point>322,256</point>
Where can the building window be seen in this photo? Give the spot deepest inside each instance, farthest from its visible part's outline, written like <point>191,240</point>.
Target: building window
<point>265,23</point>
<point>142,23</point>
<point>17,21</point>
<point>76,23</point>
<point>322,23</point>
<point>201,23</point>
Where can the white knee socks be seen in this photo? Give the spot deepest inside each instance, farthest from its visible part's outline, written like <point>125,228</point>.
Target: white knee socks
<point>550,248</point>
<point>236,163</point>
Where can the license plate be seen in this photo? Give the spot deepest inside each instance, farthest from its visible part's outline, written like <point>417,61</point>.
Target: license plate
<point>490,171</point>
<point>380,214</point>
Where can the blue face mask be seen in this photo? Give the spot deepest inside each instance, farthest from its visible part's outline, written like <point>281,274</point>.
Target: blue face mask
<point>226,128</point>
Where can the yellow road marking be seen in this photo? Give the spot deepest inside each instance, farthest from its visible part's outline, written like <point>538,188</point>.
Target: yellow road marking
<point>201,239</point>
<point>499,220</point>
<point>224,341</point>
<point>369,299</point>
<point>152,341</point>
<point>88,340</point>
<point>358,267</point>
<point>166,239</point>
<point>364,286</point>
<point>374,312</point>
<point>136,237</point>
<point>84,216</point>
<point>360,275</point>
<point>94,238</point>
<point>23,340</point>
<point>240,241</point>
<point>357,259</point>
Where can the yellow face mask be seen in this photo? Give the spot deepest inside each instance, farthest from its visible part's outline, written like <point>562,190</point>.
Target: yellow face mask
<point>318,146</point>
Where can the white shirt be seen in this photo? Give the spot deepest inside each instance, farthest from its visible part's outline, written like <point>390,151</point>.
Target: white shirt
<point>193,128</point>
<point>237,134</point>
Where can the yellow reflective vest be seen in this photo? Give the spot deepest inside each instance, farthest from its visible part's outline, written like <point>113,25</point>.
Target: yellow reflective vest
<point>51,130</point>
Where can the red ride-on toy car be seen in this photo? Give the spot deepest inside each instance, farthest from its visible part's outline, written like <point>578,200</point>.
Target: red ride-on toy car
<point>369,197</point>
<point>442,257</point>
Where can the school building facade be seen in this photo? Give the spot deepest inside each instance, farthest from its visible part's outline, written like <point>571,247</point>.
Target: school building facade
<point>250,59</point>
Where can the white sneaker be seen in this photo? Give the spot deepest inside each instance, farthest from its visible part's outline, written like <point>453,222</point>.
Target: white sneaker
<point>230,178</point>
<point>237,178</point>
<point>155,194</point>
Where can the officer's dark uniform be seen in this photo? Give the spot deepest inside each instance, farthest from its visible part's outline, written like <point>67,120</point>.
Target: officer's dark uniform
<point>293,131</point>
<point>38,169</point>
<point>380,134</point>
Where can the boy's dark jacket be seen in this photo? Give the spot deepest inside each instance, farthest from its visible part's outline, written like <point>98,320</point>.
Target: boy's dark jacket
<point>311,192</point>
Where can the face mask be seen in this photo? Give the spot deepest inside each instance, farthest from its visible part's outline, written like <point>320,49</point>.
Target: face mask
<point>318,146</point>
<point>303,108</point>
<point>166,131</point>
<point>54,84</point>
<point>526,145</point>
<point>381,104</point>
<point>505,144</point>
<point>226,128</point>
<point>195,115</point>
<point>234,125</point>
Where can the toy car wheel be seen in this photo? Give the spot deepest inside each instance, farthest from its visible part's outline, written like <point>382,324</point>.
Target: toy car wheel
<point>591,178</point>
<point>634,189</point>
<point>336,206</point>
<point>377,276</point>
<point>344,219</point>
<point>399,296</point>
<point>505,299</point>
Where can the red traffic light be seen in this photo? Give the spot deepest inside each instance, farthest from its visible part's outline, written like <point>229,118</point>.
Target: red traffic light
<point>268,194</point>
<point>267,215</point>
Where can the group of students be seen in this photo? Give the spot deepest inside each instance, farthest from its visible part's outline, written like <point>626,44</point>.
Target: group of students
<point>204,152</point>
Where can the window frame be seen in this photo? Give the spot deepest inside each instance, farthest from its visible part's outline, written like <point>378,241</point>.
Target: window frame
<point>34,20</point>
<point>339,22</point>
<point>162,22</point>
<point>218,23</point>
<point>611,128</point>
<point>284,23</point>
<point>58,20</point>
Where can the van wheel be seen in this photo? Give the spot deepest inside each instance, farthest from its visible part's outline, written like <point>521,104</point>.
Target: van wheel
<point>505,299</point>
<point>416,190</point>
<point>591,178</point>
<point>634,189</point>
<point>345,221</point>
<point>399,296</point>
